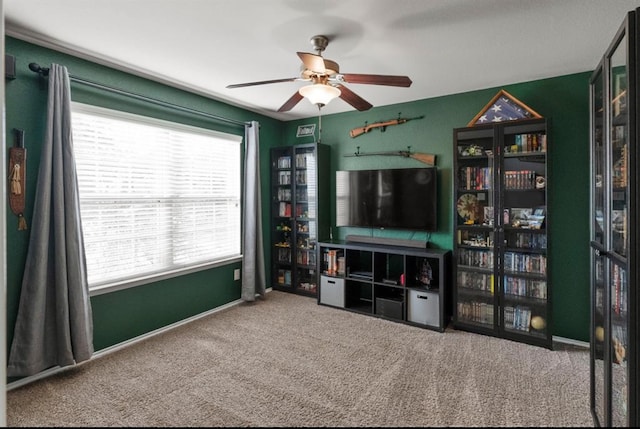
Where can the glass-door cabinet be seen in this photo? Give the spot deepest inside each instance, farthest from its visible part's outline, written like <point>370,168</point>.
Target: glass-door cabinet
<point>305,217</point>
<point>299,203</point>
<point>614,260</point>
<point>501,276</point>
<point>281,221</point>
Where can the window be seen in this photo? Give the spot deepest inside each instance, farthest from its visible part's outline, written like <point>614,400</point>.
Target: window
<point>156,198</point>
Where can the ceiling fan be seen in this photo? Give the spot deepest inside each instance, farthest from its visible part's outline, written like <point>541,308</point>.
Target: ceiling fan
<point>327,81</point>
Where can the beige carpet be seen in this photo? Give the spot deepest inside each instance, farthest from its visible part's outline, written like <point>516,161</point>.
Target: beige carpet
<point>286,361</point>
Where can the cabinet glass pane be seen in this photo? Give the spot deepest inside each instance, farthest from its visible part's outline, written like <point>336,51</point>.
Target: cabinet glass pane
<point>618,233</point>
<point>525,292</point>
<point>598,156</point>
<point>619,119</point>
<point>599,328</point>
<point>306,234</point>
<point>599,335</point>
<point>306,191</point>
<point>475,220</point>
<point>306,255</point>
<point>281,225</point>
<point>619,346</point>
<point>524,258</point>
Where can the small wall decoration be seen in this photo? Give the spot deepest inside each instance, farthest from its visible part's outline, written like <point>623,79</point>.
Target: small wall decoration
<point>503,107</point>
<point>17,169</point>
<point>306,130</point>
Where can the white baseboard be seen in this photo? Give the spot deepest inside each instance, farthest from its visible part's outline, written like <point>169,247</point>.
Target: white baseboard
<point>571,341</point>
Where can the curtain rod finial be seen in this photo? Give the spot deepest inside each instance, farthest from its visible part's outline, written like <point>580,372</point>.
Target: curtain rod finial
<point>35,67</point>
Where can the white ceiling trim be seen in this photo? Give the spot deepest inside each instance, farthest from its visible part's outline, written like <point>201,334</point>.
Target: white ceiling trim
<point>66,48</point>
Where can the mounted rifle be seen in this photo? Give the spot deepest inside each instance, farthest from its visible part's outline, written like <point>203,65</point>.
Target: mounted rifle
<point>382,125</point>
<point>426,158</point>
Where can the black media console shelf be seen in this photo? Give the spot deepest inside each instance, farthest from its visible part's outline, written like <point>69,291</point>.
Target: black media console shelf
<point>400,283</point>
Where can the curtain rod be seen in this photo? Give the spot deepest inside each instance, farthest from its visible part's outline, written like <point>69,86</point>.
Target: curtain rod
<point>43,71</point>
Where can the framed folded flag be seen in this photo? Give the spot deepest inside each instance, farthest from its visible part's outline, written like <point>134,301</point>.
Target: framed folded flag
<point>502,108</point>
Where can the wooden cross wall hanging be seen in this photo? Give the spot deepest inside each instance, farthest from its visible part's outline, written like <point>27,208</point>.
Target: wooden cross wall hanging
<point>17,175</point>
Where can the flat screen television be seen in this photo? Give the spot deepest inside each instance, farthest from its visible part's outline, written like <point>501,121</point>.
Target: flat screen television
<point>394,198</point>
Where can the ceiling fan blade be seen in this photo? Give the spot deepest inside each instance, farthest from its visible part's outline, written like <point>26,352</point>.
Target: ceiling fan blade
<point>263,82</point>
<point>312,62</point>
<point>291,102</point>
<point>354,99</point>
<point>377,79</point>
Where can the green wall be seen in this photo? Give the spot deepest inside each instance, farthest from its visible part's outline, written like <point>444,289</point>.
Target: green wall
<point>562,100</point>
<point>122,315</point>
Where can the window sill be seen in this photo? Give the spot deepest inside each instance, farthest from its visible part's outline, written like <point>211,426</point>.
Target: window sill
<point>129,283</point>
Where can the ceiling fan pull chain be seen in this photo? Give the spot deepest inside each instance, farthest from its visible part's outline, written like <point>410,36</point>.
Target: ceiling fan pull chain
<point>319,123</point>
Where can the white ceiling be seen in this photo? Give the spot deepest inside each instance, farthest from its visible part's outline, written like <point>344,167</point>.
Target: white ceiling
<point>444,46</point>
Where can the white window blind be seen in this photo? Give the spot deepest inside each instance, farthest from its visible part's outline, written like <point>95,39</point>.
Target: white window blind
<point>155,196</point>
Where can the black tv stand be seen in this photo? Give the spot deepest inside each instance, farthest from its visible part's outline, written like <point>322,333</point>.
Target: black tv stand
<point>387,281</point>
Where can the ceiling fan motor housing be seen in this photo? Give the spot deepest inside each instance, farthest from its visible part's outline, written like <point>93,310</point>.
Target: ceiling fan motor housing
<point>319,43</point>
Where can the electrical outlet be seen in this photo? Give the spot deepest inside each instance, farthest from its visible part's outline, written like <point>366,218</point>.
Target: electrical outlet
<point>236,274</point>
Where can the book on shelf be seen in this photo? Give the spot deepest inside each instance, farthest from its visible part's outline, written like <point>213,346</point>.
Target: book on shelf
<point>305,160</point>
<point>284,194</point>
<point>619,290</point>
<point>284,162</point>
<point>306,257</point>
<point>530,240</point>
<point>519,179</point>
<point>284,209</point>
<point>539,289</point>
<point>475,280</point>
<point>526,143</point>
<point>284,277</point>
<point>301,177</point>
<point>525,287</point>
<point>475,178</point>
<point>284,178</point>
<point>517,318</point>
<point>525,263</point>
<point>334,262</point>
<point>475,312</point>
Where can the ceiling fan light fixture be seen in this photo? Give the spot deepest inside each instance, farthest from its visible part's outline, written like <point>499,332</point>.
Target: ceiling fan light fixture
<point>325,80</point>
<point>319,93</point>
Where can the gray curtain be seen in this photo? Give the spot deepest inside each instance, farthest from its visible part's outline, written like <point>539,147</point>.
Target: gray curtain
<point>54,325</point>
<point>253,274</point>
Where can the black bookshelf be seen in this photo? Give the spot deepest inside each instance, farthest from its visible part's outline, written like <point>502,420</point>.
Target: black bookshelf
<point>399,283</point>
<point>613,231</point>
<point>299,216</point>
<point>501,231</point>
